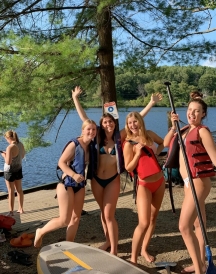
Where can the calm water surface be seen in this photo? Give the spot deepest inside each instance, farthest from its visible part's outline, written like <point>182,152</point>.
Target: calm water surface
<point>39,165</point>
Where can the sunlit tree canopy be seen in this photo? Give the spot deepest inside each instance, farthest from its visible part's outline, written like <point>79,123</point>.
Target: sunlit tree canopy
<point>48,47</point>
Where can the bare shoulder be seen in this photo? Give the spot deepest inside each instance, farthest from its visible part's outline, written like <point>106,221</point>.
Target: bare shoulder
<point>204,131</point>
<point>151,133</point>
<point>70,146</point>
<point>127,145</point>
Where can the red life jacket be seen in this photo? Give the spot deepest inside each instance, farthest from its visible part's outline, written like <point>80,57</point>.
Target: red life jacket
<point>7,222</point>
<point>148,164</point>
<point>199,161</point>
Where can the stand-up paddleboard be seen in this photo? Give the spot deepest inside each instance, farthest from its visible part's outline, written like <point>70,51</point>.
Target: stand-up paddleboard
<point>69,257</point>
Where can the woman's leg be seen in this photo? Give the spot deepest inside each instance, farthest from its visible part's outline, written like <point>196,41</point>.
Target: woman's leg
<point>11,197</point>
<point>98,192</point>
<point>18,186</point>
<point>144,200</point>
<point>188,219</point>
<point>107,199</point>
<point>110,198</point>
<point>65,201</point>
<point>157,198</point>
<point>76,215</point>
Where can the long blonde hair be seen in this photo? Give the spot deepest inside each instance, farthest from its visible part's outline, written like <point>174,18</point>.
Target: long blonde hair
<point>146,139</point>
<point>10,134</point>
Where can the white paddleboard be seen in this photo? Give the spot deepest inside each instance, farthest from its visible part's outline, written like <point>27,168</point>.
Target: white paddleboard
<point>73,258</point>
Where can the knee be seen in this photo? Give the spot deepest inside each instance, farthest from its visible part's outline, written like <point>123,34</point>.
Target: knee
<point>75,219</point>
<point>197,224</point>
<point>184,228</point>
<point>19,191</point>
<point>143,225</point>
<point>11,190</point>
<point>109,217</point>
<point>64,221</point>
<point>153,219</point>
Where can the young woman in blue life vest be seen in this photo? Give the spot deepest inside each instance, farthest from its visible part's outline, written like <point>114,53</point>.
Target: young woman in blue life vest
<point>106,182</point>
<point>70,198</point>
<point>201,153</point>
<point>150,183</point>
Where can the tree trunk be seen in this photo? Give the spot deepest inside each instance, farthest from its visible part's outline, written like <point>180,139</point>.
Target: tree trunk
<point>105,55</point>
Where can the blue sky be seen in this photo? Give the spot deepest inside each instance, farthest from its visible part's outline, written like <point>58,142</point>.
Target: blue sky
<point>210,24</point>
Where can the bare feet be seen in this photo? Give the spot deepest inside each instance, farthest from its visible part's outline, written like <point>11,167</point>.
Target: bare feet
<point>190,269</point>
<point>149,258</point>
<point>135,264</point>
<point>20,211</point>
<point>105,246</point>
<point>38,238</point>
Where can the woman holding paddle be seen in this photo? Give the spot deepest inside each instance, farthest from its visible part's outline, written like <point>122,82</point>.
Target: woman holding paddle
<point>201,153</point>
<point>106,182</point>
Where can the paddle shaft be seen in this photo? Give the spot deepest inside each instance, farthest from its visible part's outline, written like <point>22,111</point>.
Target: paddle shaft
<point>187,168</point>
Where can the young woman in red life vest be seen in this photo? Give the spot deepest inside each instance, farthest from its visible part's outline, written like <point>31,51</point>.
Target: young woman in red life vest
<point>150,184</point>
<point>106,182</point>
<point>201,152</point>
<point>71,190</point>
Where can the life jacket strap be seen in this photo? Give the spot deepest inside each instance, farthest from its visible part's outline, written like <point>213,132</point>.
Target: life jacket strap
<point>195,142</point>
<point>203,163</point>
<point>205,171</point>
<point>199,154</point>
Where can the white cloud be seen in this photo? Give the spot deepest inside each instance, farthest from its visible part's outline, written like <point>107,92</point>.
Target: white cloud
<point>209,63</point>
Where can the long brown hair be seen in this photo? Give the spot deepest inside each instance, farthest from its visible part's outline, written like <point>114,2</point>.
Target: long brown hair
<point>146,139</point>
<point>10,134</point>
<point>101,132</point>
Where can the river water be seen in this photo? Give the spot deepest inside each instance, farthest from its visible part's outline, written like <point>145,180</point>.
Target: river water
<point>39,165</point>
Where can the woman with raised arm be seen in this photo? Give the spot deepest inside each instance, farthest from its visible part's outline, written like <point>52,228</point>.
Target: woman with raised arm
<point>75,162</point>
<point>106,182</point>
<point>13,156</point>
<point>139,156</point>
<point>201,153</point>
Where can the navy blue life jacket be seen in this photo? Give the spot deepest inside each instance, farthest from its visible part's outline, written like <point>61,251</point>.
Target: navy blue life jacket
<point>78,164</point>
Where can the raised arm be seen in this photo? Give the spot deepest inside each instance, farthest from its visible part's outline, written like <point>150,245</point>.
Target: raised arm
<point>155,98</point>
<point>75,94</point>
<point>208,143</point>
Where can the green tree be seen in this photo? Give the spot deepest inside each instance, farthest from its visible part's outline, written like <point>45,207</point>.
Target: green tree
<point>62,43</point>
<point>207,83</point>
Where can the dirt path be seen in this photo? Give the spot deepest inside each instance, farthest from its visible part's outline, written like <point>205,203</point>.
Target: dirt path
<point>166,244</point>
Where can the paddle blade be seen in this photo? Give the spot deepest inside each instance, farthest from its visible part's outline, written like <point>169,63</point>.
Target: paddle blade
<point>211,268</point>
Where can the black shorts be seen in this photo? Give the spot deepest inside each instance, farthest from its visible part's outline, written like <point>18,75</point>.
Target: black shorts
<point>13,176</point>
